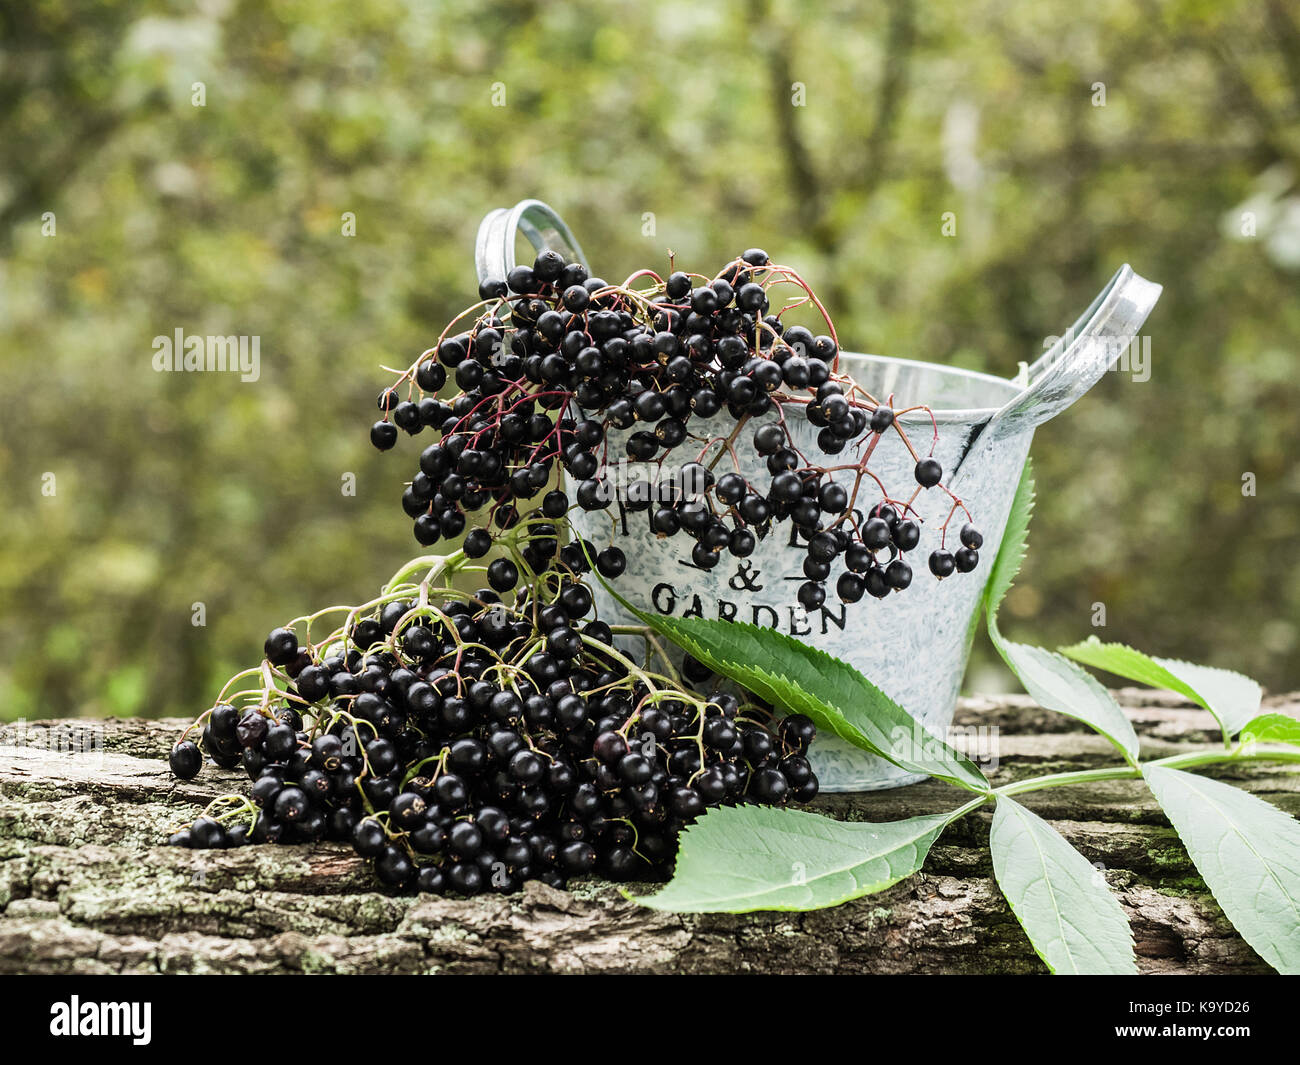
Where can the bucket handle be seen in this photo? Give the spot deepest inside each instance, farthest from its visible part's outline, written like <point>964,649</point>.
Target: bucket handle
<point>1074,363</point>
<point>494,248</point>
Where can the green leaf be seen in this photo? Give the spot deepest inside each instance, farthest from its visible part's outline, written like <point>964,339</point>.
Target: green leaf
<point>1233,699</point>
<point>1058,684</point>
<point>807,680</point>
<point>1074,922</point>
<point>1272,728</point>
<point>736,859</point>
<point>1011,552</point>
<point>1247,852</point>
<point>1052,681</point>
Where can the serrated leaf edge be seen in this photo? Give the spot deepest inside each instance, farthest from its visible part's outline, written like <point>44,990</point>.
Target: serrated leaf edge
<point>1078,651</point>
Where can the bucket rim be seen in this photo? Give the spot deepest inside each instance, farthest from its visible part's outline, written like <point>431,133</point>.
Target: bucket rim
<point>941,414</point>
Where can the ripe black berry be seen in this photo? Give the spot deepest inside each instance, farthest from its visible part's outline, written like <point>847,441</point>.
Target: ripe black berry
<point>281,647</point>
<point>811,595</point>
<point>906,534</point>
<point>492,288</point>
<point>899,574</point>
<point>850,587</point>
<point>941,563</point>
<point>477,543</point>
<point>185,760</point>
<point>502,574</point>
<point>611,562</point>
<point>291,805</point>
<point>465,839</point>
<point>928,473</point>
<point>383,435</point>
<point>393,867</point>
<point>578,857</point>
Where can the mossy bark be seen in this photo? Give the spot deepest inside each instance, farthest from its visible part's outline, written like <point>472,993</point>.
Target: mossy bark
<point>85,885</point>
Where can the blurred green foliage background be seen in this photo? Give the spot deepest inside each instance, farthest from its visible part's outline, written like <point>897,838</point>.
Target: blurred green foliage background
<point>1066,139</point>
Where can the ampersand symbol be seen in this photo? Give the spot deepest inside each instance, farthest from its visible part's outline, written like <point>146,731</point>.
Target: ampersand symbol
<point>745,579</point>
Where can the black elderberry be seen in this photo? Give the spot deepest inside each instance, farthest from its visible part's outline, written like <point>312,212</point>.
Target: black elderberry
<point>477,543</point>
<point>451,792</point>
<point>898,574</point>
<point>393,867</point>
<point>786,487</point>
<point>833,498</point>
<point>742,543</point>
<point>576,600</point>
<point>555,504</point>
<point>811,595</point>
<point>185,760</point>
<point>822,547</point>
<point>205,833</point>
<point>941,563</point>
<point>769,785</point>
<point>252,728</point>
<point>280,742</point>
<point>291,805</point>
<point>465,839</point>
<point>611,562</point>
<point>877,585</point>
<point>281,647</point>
<point>430,375</point>
<point>430,879</point>
<point>548,265</point>
<point>577,857</point>
<point>928,473</point>
<point>522,280</point>
<point>502,574</point>
<point>798,731</point>
<point>906,534</point>
<point>408,811</point>
<point>429,838</point>
<point>875,534</point>
<point>576,298</point>
<point>850,587</point>
<point>464,878</point>
<point>805,513</point>
<point>382,756</point>
<point>383,435</point>
<point>406,416</point>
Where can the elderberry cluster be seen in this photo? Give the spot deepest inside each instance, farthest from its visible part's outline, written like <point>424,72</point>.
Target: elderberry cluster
<point>558,368</point>
<point>463,744</point>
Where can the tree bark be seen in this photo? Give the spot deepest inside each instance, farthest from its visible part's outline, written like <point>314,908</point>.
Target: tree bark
<point>87,887</point>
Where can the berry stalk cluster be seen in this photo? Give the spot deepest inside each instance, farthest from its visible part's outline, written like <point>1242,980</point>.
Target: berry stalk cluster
<point>556,370</point>
<point>471,741</point>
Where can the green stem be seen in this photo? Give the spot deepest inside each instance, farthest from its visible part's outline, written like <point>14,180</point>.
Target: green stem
<point>1130,772</point>
<point>1056,780</point>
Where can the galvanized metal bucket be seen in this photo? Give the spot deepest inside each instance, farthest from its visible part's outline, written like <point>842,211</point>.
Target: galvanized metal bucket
<point>913,645</point>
